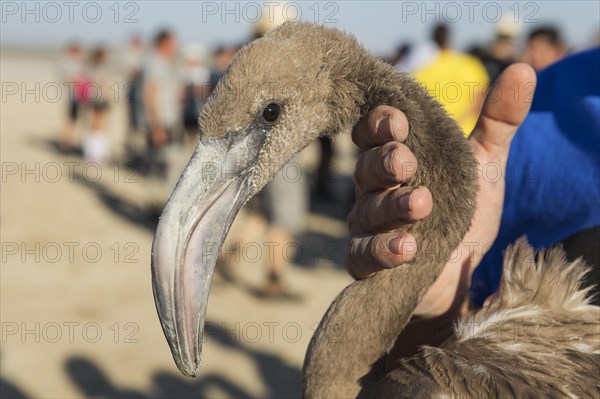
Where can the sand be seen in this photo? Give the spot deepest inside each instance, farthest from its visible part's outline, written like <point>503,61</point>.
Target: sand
<point>77,313</point>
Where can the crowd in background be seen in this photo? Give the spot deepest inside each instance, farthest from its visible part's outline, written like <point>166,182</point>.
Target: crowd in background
<point>167,83</point>
<point>164,87</point>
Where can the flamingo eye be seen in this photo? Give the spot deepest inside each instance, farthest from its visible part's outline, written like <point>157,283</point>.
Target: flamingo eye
<point>271,112</point>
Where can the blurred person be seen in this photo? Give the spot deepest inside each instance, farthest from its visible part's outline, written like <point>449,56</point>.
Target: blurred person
<point>503,47</point>
<point>196,76</point>
<point>400,58</point>
<point>285,206</point>
<point>322,188</point>
<point>133,66</point>
<point>222,57</point>
<point>418,56</point>
<point>500,54</point>
<point>400,54</point>
<point>162,99</point>
<point>456,80</point>
<point>544,46</point>
<point>133,62</point>
<point>96,146</point>
<point>72,74</point>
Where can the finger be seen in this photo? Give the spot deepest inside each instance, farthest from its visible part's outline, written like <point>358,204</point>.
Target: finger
<point>381,125</point>
<point>388,210</point>
<point>384,167</point>
<point>505,108</point>
<point>370,254</point>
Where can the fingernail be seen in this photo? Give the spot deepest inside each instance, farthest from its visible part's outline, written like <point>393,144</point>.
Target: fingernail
<point>404,203</point>
<point>395,245</point>
<point>384,127</point>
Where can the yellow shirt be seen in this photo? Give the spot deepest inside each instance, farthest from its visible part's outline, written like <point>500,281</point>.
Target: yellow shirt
<point>456,80</point>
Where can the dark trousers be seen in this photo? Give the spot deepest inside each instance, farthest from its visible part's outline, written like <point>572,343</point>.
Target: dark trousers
<point>586,245</point>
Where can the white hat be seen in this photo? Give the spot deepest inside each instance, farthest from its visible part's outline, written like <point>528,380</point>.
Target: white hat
<point>273,16</point>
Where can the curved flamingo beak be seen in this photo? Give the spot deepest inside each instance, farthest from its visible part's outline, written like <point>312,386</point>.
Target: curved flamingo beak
<point>213,187</point>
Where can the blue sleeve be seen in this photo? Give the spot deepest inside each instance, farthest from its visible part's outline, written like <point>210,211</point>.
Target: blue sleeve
<point>553,170</point>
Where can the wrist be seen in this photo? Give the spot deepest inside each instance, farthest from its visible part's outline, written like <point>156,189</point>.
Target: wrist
<point>448,292</point>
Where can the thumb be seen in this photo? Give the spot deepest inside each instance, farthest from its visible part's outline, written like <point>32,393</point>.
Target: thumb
<point>505,108</point>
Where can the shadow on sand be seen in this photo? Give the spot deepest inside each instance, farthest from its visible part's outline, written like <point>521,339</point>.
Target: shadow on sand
<point>280,379</point>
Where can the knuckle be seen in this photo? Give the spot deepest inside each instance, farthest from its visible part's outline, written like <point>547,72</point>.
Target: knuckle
<point>374,246</point>
<point>360,131</point>
<point>385,161</point>
<point>386,164</point>
<point>351,219</point>
<point>359,171</point>
<point>377,251</point>
<point>367,212</point>
<point>393,210</point>
<point>353,258</point>
<point>356,133</point>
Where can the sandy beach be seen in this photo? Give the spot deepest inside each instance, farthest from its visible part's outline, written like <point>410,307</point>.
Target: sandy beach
<point>77,313</point>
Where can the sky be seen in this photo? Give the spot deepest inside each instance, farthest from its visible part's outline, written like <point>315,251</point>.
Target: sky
<point>380,25</point>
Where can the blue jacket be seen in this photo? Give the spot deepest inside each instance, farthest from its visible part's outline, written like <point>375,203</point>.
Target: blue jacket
<point>553,171</point>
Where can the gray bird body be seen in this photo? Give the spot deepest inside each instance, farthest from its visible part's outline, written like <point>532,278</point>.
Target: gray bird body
<point>324,82</point>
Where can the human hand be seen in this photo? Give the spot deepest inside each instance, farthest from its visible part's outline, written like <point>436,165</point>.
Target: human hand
<point>382,205</point>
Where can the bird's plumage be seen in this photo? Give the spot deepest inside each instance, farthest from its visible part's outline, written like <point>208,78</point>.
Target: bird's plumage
<point>537,337</point>
<point>324,82</point>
